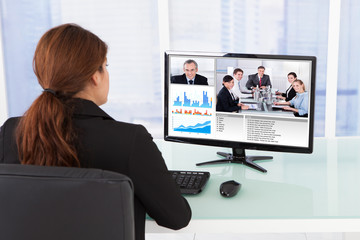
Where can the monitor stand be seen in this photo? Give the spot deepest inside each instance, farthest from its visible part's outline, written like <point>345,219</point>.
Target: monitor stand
<point>238,156</point>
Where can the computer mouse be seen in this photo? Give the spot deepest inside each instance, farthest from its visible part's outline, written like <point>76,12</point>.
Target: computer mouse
<point>229,188</point>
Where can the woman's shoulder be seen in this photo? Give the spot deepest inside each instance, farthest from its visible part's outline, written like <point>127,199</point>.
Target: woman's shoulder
<point>223,90</point>
<point>133,126</point>
<point>7,133</point>
<point>11,122</point>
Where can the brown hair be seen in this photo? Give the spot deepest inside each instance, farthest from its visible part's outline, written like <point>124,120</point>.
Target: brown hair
<point>65,59</point>
<point>236,70</point>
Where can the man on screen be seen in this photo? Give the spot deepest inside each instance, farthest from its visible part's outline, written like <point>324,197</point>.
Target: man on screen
<point>258,79</point>
<point>190,75</point>
<point>239,90</point>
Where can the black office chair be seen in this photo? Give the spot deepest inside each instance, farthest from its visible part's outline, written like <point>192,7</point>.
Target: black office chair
<point>46,203</point>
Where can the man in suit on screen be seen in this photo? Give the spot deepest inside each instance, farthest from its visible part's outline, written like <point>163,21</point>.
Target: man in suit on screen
<point>258,79</point>
<point>190,75</point>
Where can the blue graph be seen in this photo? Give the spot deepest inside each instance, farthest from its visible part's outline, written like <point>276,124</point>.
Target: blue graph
<point>206,102</point>
<point>198,128</point>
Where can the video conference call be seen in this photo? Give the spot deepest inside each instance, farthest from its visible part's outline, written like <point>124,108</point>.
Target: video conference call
<point>248,100</point>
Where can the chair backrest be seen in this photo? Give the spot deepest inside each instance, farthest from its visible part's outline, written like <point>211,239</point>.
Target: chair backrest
<point>38,202</point>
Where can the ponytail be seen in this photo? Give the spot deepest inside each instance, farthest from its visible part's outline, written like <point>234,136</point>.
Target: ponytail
<point>45,133</point>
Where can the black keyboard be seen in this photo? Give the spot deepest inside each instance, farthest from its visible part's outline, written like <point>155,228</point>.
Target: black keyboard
<point>190,182</point>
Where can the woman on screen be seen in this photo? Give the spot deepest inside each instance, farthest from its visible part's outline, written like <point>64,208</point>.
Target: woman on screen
<point>65,126</point>
<point>300,103</point>
<point>226,100</point>
<point>290,92</point>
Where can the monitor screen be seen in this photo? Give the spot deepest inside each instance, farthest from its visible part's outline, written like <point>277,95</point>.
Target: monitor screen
<point>242,101</point>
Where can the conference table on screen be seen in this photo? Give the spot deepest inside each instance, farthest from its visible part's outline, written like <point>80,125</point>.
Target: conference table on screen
<point>316,192</point>
<point>263,108</point>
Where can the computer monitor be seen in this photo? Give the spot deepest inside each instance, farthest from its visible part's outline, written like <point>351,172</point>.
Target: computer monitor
<point>195,112</point>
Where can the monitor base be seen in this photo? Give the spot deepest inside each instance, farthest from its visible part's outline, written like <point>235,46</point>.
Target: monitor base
<point>238,156</point>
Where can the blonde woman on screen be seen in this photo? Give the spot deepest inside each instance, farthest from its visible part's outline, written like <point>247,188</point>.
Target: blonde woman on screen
<point>300,103</point>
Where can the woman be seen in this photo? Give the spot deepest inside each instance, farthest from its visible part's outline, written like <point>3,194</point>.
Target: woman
<point>226,101</point>
<point>300,103</point>
<point>290,92</point>
<point>64,126</point>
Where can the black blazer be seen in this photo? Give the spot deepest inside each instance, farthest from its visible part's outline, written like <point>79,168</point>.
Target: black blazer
<point>199,80</point>
<point>289,94</point>
<point>125,148</point>
<point>225,103</point>
<point>253,81</point>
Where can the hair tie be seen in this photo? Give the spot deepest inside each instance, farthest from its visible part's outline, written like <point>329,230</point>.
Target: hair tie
<point>50,91</point>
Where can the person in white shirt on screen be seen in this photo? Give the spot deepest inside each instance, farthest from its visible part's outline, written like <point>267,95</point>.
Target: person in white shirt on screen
<point>239,90</point>
<point>300,103</point>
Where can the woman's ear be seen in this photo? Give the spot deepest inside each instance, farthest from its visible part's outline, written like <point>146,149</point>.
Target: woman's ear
<point>95,79</point>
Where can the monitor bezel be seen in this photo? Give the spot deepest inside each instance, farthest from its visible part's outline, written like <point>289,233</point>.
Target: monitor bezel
<point>233,144</point>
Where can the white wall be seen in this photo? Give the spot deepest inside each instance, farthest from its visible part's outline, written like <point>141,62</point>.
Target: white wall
<point>3,99</point>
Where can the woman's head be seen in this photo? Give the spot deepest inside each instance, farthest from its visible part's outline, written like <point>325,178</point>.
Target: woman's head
<point>291,77</point>
<point>69,62</point>
<point>66,58</point>
<point>298,86</point>
<point>228,81</point>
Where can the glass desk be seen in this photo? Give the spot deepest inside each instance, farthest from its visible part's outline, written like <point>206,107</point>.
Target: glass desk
<point>318,192</point>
